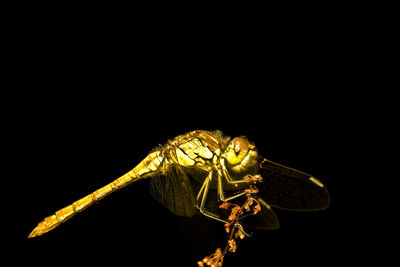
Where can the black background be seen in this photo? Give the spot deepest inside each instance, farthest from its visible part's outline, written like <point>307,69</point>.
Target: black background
<point>78,145</point>
<point>77,155</point>
<point>102,97</point>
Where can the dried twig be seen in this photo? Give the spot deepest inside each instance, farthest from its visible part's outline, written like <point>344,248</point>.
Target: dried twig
<point>233,227</point>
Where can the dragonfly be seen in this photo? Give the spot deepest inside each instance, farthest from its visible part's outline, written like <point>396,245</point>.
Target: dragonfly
<point>193,172</point>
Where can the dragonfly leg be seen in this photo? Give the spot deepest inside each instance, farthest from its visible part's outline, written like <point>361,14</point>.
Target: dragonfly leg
<point>221,191</point>
<point>237,194</point>
<point>202,198</point>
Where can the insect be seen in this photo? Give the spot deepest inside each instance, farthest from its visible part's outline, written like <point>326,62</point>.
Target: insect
<point>195,171</point>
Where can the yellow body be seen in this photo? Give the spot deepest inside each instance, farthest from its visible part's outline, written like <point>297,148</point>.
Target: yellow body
<point>186,150</point>
<point>197,149</point>
<point>147,166</point>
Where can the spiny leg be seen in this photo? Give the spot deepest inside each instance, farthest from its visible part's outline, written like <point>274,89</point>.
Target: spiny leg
<point>202,198</point>
<point>236,195</point>
<point>202,195</point>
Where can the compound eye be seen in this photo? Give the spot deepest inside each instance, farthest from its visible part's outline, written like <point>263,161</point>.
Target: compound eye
<point>240,144</point>
<point>237,150</point>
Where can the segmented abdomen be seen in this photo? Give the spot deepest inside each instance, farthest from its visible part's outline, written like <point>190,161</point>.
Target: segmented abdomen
<point>150,164</point>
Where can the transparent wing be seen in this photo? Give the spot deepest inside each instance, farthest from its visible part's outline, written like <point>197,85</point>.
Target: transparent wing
<point>174,191</point>
<point>290,189</point>
<point>266,219</point>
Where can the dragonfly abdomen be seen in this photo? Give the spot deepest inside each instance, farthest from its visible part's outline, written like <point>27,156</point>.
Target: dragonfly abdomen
<point>145,168</point>
<point>151,164</point>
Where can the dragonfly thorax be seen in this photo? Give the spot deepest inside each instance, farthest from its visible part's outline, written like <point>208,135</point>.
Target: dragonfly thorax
<point>210,151</point>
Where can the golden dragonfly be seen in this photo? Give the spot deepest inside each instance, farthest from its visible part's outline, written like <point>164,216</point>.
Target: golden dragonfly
<point>197,170</point>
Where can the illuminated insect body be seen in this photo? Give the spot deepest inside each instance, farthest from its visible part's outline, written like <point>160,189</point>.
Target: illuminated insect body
<point>216,163</point>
